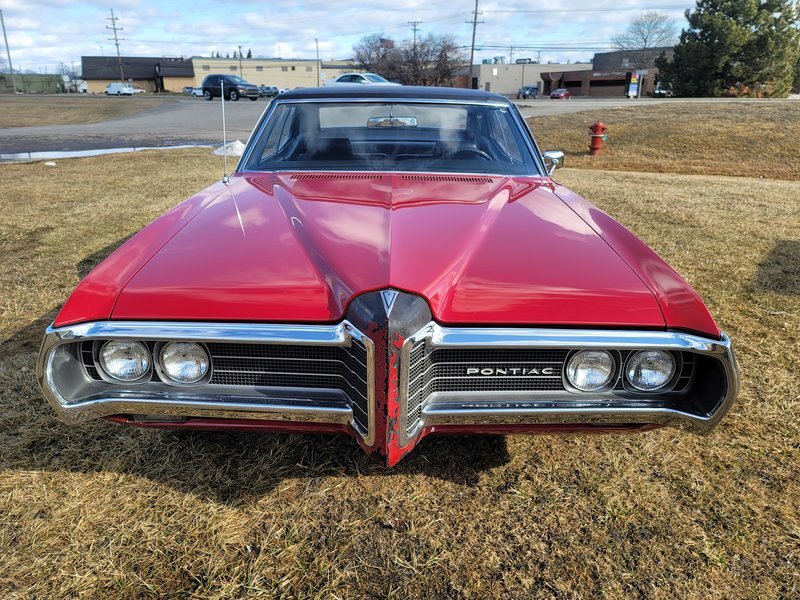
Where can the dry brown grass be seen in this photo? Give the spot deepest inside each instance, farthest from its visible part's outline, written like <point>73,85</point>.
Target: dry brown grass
<point>103,511</point>
<point>754,139</point>
<point>70,109</point>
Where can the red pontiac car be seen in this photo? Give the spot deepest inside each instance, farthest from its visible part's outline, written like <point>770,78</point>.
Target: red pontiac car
<point>389,263</point>
<point>560,94</point>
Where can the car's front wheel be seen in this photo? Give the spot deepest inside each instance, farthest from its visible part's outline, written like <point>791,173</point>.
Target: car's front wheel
<point>234,95</point>
<point>207,95</point>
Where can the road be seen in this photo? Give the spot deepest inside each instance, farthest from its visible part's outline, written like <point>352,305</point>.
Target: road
<point>193,120</point>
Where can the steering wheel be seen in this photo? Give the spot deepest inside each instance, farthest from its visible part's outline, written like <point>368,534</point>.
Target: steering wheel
<point>471,153</point>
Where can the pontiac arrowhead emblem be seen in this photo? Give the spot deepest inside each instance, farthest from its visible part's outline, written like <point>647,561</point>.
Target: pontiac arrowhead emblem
<point>388,297</point>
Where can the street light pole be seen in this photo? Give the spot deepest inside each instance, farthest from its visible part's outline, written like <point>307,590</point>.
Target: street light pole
<point>241,73</point>
<point>316,41</point>
<point>8,53</point>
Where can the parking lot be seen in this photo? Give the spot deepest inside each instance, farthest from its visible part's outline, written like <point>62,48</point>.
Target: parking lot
<point>183,120</point>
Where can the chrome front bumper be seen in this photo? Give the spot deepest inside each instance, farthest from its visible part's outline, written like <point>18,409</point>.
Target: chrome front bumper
<point>77,397</point>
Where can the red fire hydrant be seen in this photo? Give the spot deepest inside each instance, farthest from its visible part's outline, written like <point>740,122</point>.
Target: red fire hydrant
<point>597,135</point>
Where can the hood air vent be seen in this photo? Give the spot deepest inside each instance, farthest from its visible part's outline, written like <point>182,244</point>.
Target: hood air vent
<point>329,176</point>
<point>453,178</point>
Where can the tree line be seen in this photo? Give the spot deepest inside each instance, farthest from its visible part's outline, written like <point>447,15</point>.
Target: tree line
<point>736,48</point>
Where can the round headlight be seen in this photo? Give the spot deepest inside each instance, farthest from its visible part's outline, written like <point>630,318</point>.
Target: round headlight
<point>183,362</point>
<point>124,360</point>
<point>590,370</point>
<point>649,370</point>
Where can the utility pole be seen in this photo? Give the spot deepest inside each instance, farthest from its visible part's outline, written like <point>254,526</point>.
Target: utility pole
<point>8,53</point>
<point>414,28</point>
<point>316,41</point>
<point>510,54</point>
<point>241,73</point>
<point>115,29</point>
<point>474,22</point>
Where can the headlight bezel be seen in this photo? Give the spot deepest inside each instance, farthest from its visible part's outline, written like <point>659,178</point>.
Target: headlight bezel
<point>105,375</point>
<point>609,385</point>
<point>166,379</point>
<point>677,364</point>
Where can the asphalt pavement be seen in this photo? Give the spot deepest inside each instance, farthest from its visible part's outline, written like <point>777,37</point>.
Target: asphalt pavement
<point>195,121</point>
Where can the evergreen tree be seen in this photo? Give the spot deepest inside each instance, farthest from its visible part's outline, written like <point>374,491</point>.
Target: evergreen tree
<point>745,47</point>
<point>249,53</point>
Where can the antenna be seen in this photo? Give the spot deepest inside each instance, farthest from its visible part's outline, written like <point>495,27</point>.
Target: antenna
<point>224,134</point>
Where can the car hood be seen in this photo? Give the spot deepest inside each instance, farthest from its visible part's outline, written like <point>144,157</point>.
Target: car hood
<point>299,247</point>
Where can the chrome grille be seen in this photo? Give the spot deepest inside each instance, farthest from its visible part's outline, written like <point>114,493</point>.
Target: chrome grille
<point>271,365</point>
<point>434,370</point>
<point>340,368</point>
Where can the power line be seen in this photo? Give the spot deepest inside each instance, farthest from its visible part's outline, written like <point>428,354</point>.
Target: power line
<point>115,29</point>
<point>474,22</point>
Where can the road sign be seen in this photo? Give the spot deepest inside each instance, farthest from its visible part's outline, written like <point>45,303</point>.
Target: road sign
<point>523,61</point>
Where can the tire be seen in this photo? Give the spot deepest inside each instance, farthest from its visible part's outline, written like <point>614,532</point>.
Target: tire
<point>234,96</point>
<point>253,99</point>
<point>207,95</point>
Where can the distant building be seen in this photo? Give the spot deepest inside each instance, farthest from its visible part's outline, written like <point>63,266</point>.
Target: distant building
<point>610,73</point>
<point>162,74</point>
<point>152,74</point>
<point>506,79</point>
<point>287,73</point>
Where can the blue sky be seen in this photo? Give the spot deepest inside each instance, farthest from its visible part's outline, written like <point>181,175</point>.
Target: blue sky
<point>43,33</point>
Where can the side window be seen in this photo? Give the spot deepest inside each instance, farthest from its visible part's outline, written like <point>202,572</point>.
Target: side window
<point>345,79</point>
<point>281,130</point>
<point>500,134</point>
<point>359,79</point>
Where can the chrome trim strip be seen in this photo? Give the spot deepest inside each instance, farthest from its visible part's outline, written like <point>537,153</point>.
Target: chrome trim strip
<point>174,400</point>
<point>520,407</point>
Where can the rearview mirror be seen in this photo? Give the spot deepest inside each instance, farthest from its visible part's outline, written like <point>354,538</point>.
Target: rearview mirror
<point>552,160</point>
<point>392,122</point>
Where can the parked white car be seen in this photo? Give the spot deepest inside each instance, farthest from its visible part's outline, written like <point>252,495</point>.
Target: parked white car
<point>197,92</point>
<point>119,89</point>
<point>361,78</point>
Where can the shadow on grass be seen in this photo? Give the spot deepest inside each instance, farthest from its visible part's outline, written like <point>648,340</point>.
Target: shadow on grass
<point>231,468</point>
<point>779,272</point>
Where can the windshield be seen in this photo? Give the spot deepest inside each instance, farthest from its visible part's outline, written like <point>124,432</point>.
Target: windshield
<point>234,79</point>
<point>383,136</point>
<point>375,78</point>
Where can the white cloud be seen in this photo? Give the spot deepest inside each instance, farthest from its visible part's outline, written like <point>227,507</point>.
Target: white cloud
<point>44,32</point>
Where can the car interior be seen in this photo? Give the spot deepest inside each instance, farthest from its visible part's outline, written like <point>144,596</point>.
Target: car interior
<point>482,139</point>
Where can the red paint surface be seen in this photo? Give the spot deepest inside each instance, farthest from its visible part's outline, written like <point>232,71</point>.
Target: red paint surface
<point>505,252</point>
<point>681,306</point>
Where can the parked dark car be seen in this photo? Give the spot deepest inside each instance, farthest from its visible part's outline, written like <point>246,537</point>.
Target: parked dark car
<point>268,91</point>
<point>528,91</point>
<point>235,88</point>
<point>560,94</point>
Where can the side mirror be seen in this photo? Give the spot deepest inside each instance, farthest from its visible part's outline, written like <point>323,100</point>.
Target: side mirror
<point>552,160</point>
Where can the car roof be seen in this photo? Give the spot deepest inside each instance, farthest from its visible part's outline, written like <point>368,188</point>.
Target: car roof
<point>410,92</point>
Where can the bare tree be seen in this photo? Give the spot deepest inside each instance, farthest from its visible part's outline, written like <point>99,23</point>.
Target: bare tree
<point>433,60</point>
<point>649,30</point>
<point>372,53</point>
